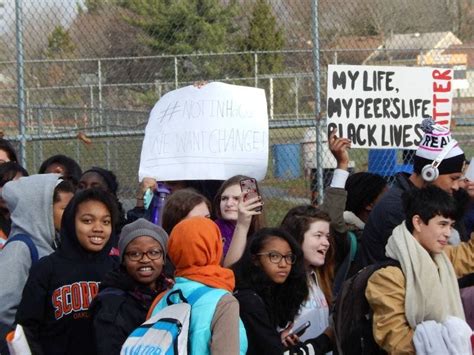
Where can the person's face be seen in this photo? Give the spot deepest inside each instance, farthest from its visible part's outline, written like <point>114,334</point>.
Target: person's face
<point>4,157</point>
<point>200,210</point>
<point>145,270</point>
<point>434,235</point>
<point>90,180</point>
<point>55,168</point>
<point>277,272</point>
<point>449,182</point>
<point>230,202</point>
<point>93,225</point>
<point>59,207</point>
<point>316,243</point>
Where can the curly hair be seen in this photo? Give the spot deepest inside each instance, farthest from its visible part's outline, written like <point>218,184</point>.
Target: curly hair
<point>283,300</point>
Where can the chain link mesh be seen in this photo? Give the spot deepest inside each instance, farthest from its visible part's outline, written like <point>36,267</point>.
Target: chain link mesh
<point>92,70</point>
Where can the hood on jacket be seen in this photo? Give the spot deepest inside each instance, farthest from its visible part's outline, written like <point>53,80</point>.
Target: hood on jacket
<point>195,249</point>
<point>70,246</point>
<point>30,202</point>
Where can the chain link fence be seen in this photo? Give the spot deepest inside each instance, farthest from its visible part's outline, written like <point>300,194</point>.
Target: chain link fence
<point>71,69</point>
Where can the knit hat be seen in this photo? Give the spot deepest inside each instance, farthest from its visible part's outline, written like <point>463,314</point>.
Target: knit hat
<point>141,227</point>
<point>435,139</point>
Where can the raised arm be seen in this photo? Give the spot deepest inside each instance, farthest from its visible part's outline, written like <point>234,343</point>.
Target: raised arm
<point>335,195</point>
<point>244,219</point>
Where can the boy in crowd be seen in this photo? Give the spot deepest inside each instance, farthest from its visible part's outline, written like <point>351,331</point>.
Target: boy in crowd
<point>424,287</point>
<point>388,212</point>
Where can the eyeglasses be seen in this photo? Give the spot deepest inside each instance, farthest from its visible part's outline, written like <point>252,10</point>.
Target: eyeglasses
<point>276,257</point>
<point>138,255</point>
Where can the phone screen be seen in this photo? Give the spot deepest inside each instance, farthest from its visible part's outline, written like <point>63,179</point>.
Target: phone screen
<point>249,186</point>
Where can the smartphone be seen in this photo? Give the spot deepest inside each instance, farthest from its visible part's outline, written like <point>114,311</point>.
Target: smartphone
<point>251,188</point>
<point>301,329</point>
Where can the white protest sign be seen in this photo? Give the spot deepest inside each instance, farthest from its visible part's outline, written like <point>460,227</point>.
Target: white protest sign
<point>382,107</point>
<point>213,132</point>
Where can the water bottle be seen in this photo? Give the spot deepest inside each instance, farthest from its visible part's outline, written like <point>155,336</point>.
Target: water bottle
<point>158,203</point>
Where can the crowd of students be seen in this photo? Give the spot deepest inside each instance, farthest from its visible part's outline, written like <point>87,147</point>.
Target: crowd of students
<point>79,274</point>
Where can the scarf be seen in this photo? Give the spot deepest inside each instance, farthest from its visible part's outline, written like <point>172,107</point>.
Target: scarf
<point>432,291</point>
<point>195,249</point>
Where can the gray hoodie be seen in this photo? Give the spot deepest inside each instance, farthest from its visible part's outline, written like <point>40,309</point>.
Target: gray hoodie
<point>30,201</point>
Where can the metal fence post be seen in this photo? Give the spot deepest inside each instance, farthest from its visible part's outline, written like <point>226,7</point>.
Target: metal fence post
<point>99,78</point>
<point>317,97</point>
<point>270,90</point>
<point>297,102</point>
<point>20,80</point>
<point>175,72</point>
<point>255,68</point>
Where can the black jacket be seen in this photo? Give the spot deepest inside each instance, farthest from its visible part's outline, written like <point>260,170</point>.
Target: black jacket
<point>120,307</point>
<point>386,215</point>
<point>58,293</point>
<point>262,335</point>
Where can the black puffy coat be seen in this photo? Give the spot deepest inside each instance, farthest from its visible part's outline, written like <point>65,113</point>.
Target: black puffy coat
<point>120,307</point>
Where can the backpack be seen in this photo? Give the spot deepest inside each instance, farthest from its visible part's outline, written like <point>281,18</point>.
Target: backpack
<point>25,238</point>
<point>166,332</point>
<point>345,267</point>
<point>352,315</point>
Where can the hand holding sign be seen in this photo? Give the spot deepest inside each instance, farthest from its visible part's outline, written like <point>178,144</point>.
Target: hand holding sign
<point>339,147</point>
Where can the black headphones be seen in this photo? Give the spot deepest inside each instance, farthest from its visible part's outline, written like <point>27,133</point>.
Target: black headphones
<point>430,172</point>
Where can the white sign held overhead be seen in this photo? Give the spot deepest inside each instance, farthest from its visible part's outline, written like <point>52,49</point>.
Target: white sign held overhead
<point>210,132</point>
<point>383,107</point>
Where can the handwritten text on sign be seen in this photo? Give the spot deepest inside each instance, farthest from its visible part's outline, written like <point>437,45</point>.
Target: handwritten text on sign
<point>382,107</point>
<point>213,132</point>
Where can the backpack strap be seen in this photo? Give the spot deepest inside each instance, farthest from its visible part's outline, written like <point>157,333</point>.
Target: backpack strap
<point>353,244</point>
<point>175,292</point>
<point>198,293</point>
<point>25,238</point>
<point>341,274</point>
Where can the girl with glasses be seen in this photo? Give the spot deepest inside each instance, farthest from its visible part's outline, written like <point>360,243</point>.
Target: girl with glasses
<point>127,293</point>
<point>270,287</point>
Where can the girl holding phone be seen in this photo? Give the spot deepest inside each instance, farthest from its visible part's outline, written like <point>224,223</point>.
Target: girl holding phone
<point>237,217</point>
<point>270,287</point>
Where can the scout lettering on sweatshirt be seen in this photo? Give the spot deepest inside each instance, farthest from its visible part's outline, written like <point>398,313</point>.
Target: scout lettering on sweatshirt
<point>75,297</point>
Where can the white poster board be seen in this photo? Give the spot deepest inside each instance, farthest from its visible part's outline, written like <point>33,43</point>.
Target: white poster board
<point>212,132</point>
<point>383,107</point>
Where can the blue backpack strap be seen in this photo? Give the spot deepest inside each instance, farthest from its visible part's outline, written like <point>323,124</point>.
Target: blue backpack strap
<point>353,241</point>
<point>29,243</point>
<point>198,293</point>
